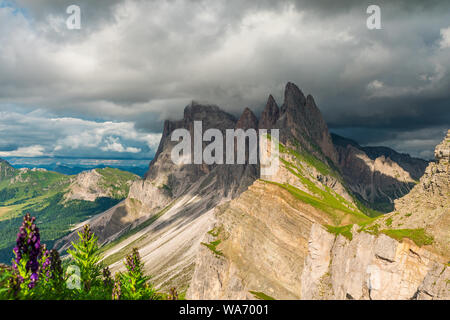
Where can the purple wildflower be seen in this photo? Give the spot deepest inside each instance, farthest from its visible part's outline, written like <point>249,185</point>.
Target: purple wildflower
<point>28,246</point>
<point>133,261</point>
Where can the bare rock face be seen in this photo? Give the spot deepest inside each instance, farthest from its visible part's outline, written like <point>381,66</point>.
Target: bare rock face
<point>87,187</point>
<point>247,120</point>
<point>371,267</point>
<point>301,120</point>
<point>427,206</point>
<point>271,242</point>
<point>222,233</point>
<point>263,242</point>
<point>379,175</point>
<point>180,196</point>
<point>442,151</point>
<point>267,241</point>
<point>99,183</point>
<point>270,115</point>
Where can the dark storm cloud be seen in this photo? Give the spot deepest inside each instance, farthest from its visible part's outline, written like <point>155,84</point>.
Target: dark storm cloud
<point>142,61</point>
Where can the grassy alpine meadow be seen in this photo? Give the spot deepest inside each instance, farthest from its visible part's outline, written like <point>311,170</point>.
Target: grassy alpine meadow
<point>40,274</point>
<point>43,194</point>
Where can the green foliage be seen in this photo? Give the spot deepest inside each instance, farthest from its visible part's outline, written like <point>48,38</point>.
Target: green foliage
<point>261,295</point>
<point>30,184</point>
<point>213,247</point>
<point>213,244</point>
<point>42,194</point>
<point>328,204</point>
<point>372,229</point>
<point>86,257</point>
<point>389,221</point>
<point>133,284</point>
<point>419,236</point>
<point>117,181</point>
<point>346,231</point>
<point>95,283</point>
<point>56,217</point>
<point>5,275</point>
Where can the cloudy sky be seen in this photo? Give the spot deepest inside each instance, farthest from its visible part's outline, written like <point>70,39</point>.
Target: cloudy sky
<point>104,90</point>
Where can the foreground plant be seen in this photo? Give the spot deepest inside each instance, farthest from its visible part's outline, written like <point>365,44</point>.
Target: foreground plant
<point>38,273</point>
<point>86,257</point>
<point>5,275</point>
<point>133,284</point>
<point>27,252</point>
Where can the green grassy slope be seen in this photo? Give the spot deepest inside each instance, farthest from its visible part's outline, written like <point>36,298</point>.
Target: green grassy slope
<point>42,194</point>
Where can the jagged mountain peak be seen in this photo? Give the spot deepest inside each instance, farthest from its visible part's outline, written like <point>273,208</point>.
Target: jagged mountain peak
<point>302,120</point>
<point>248,120</point>
<point>343,141</point>
<point>293,97</point>
<point>270,114</point>
<point>198,111</point>
<point>442,151</point>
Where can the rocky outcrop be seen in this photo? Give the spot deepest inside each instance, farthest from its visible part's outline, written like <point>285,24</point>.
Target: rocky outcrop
<point>379,175</point>
<point>301,120</point>
<point>263,242</point>
<point>371,267</point>
<point>6,170</point>
<point>283,245</point>
<point>270,114</point>
<point>442,151</point>
<point>247,120</point>
<point>100,183</point>
<point>266,241</point>
<point>427,206</point>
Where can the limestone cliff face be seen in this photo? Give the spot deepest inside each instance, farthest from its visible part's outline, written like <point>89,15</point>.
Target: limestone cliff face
<point>379,175</point>
<point>267,241</point>
<point>270,240</point>
<point>301,121</point>
<point>270,115</point>
<point>427,206</point>
<point>371,267</point>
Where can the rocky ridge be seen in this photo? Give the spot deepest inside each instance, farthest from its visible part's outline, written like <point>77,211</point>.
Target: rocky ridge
<point>268,242</point>
<point>378,175</point>
<point>427,206</point>
<point>93,184</point>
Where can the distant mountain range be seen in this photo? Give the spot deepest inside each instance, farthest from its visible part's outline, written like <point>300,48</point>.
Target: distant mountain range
<point>71,166</point>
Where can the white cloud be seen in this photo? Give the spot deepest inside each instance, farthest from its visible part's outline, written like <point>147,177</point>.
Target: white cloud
<point>375,85</point>
<point>113,144</point>
<point>69,136</point>
<point>31,151</point>
<point>445,41</point>
<point>143,61</point>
